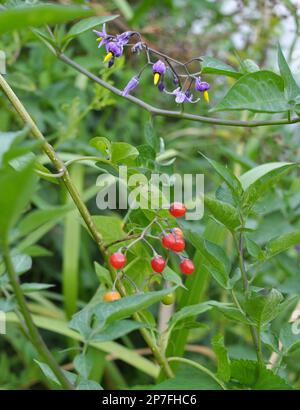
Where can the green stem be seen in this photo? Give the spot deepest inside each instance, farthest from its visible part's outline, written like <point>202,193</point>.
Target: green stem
<point>199,367</point>
<point>255,335</point>
<point>60,166</point>
<point>34,334</point>
<point>168,113</point>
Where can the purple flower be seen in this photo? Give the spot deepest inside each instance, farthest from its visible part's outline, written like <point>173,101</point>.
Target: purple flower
<point>297,248</point>
<point>159,69</point>
<point>181,96</point>
<point>132,84</point>
<point>113,50</point>
<point>102,36</point>
<point>137,47</point>
<point>123,38</point>
<point>202,86</point>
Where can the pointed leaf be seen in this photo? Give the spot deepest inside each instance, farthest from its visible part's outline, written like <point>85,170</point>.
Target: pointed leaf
<point>261,91</point>
<point>291,87</point>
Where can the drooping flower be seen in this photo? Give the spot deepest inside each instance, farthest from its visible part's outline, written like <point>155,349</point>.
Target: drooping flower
<point>202,86</point>
<point>122,39</point>
<point>159,69</point>
<point>103,37</point>
<point>113,50</point>
<point>181,96</point>
<point>137,47</point>
<point>132,84</point>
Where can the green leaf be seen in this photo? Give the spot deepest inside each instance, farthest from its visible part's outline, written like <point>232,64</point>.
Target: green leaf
<point>258,180</point>
<point>51,376</point>
<point>253,248</point>
<point>10,139</point>
<point>230,312</point>
<point>92,319</point>
<point>227,176</point>
<point>88,385</point>
<point>188,312</point>
<point>282,243</point>
<point>211,65</point>
<point>187,378</point>
<point>87,24</point>
<point>289,337</point>
<point>35,287</point>
<point>38,15</point>
<point>263,308</point>
<point>121,152</point>
<point>170,276</point>
<point>261,91</point>
<point>18,187</point>
<point>291,87</point>
<point>214,259</point>
<point>116,330</point>
<point>103,275</point>
<point>222,356</point>
<point>83,365</point>
<point>39,217</point>
<point>22,263</point>
<point>250,66</point>
<point>110,227</point>
<point>103,145</point>
<point>249,374</point>
<point>223,212</point>
<point>252,176</point>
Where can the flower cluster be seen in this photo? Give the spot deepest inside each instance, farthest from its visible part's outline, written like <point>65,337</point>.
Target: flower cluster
<point>184,80</point>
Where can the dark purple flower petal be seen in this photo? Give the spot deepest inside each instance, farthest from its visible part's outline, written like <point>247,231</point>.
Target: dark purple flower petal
<point>114,48</point>
<point>161,86</point>
<point>201,85</point>
<point>159,67</point>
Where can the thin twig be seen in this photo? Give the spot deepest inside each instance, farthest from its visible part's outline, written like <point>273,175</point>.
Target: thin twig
<point>172,114</point>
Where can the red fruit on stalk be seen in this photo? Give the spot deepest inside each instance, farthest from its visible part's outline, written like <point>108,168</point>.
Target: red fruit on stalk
<point>117,260</point>
<point>177,209</point>
<point>177,232</point>
<point>187,267</point>
<point>158,263</point>
<point>178,245</point>
<point>168,240</point>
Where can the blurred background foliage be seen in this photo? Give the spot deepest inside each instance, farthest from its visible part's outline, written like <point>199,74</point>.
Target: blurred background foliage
<point>70,110</point>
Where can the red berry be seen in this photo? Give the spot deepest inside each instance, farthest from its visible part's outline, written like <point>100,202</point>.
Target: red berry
<point>177,209</point>
<point>158,263</point>
<point>117,260</point>
<point>178,245</point>
<point>168,241</point>
<point>177,232</point>
<point>187,266</point>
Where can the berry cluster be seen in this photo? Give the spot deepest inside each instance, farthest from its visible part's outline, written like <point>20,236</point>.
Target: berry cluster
<point>171,238</point>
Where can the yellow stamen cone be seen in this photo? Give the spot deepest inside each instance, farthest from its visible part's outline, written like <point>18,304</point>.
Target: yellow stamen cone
<point>206,96</point>
<point>108,57</point>
<point>156,78</point>
<point>99,39</point>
